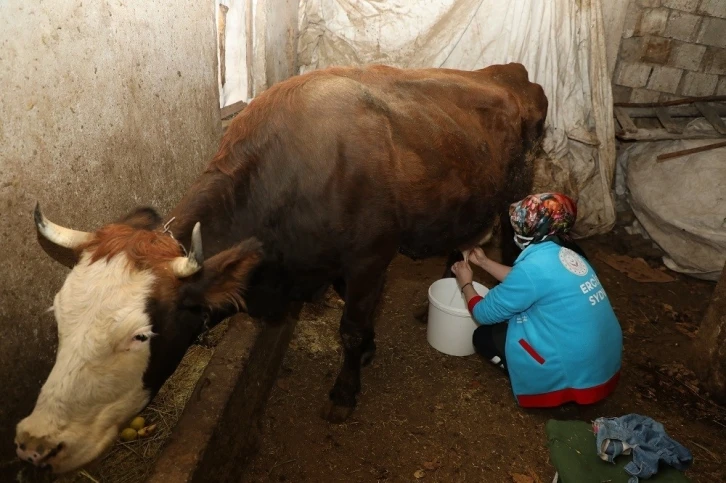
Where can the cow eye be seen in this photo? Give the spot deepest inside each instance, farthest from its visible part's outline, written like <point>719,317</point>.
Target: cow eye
<point>141,338</point>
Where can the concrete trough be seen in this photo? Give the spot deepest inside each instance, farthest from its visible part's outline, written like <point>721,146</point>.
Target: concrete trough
<point>215,436</point>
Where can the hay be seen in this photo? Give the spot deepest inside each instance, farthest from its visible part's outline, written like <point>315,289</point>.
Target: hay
<point>132,462</point>
<point>317,331</point>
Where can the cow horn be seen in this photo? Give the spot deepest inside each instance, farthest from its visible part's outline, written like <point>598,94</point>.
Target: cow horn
<point>64,237</point>
<point>191,264</point>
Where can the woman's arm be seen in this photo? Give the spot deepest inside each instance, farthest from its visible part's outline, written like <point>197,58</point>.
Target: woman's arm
<point>469,292</point>
<point>496,270</point>
<point>513,296</point>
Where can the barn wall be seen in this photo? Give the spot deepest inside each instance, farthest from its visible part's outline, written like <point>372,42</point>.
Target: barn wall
<point>274,48</point>
<point>103,106</point>
<point>281,37</point>
<point>671,49</point>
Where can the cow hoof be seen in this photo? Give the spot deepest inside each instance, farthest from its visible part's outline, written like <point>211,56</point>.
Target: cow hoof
<point>367,358</point>
<point>369,353</point>
<point>335,414</point>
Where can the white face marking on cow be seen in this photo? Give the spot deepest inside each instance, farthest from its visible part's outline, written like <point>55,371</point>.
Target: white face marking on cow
<point>103,351</point>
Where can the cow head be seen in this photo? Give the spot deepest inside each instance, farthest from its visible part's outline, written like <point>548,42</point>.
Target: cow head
<point>127,312</point>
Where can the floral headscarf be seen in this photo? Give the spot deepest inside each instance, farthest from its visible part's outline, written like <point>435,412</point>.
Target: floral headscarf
<point>542,215</point>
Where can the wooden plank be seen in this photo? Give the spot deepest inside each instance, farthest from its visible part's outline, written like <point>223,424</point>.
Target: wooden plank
<point>221,39</point>
<point>232,109</point>
<point>667,120</point>
<point>624,120</point>
<point>249,29</point>
<point>677,154</point>
<point>711,116</point>
<point>674,111</point>
<point>677,102</point>
<point>662,135</point>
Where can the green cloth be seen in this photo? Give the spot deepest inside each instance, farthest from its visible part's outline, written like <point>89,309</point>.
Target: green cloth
<point>574,456</point>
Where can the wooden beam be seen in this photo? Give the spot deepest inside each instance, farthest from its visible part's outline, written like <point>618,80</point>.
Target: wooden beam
<point>667,120</point>
<point>675,111</point>
<point>625,120</point>
<point>232,109</point>
<point>677,102</point>
<point>684,152</point>
<point>711,116</point>
<point>221,41</point>
<point>662,135</point>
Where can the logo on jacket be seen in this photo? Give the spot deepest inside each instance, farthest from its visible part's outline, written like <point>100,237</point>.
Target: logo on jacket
<point>573,262</point>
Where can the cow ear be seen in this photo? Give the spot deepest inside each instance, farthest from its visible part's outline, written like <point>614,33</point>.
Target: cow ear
<point>144,218</point>
<point>224,276</point>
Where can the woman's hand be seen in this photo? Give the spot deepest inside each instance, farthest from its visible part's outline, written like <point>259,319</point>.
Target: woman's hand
<point>478,257</point>
<point>463,273</point>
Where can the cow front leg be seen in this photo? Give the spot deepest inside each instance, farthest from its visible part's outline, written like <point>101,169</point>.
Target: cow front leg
<point>357,336</point>
<point>369,349</point>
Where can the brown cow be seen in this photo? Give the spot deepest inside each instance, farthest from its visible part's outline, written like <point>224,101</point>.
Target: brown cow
<point>321,180</point>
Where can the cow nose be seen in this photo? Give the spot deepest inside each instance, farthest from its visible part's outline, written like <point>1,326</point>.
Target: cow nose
<point>37,452</point>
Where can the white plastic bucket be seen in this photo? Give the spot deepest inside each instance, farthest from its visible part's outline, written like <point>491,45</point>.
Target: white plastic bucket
<point>450,326</point>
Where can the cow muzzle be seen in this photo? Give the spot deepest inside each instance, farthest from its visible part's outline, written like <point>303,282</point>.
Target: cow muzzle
<point>37,451</point>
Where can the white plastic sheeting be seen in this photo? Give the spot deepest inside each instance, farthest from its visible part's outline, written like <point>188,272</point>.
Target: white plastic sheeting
<point>679,203</point>
<point>560,42</point>
<point>259,46</point>
<point>234,23</point>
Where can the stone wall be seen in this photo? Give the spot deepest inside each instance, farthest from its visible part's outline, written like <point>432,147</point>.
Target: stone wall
<point>671,49</point>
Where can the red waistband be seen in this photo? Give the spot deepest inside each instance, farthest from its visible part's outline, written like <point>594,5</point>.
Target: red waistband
<point>580,396</point>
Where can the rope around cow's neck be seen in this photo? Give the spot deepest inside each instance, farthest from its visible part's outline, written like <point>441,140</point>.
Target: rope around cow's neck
<point>168,231</point>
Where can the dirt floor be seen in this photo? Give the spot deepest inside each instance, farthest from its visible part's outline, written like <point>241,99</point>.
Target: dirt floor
<point>426,416</point>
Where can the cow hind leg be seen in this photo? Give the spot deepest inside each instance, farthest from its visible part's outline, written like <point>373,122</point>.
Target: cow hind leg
<point>455,256</point>
<point>362,294</point>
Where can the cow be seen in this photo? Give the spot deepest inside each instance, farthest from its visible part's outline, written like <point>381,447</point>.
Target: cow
<point>321,180</point>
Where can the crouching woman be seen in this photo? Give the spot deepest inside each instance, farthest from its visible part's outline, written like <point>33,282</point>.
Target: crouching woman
<point>549,323</point>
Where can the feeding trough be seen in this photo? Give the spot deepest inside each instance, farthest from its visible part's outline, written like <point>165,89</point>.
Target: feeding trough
<point>450,325</point>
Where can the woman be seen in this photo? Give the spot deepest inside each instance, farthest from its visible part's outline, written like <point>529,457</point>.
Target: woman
<point>549,322</point>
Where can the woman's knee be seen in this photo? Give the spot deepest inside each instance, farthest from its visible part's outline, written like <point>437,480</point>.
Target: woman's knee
<point>483,341</point>
<point>482,334</point>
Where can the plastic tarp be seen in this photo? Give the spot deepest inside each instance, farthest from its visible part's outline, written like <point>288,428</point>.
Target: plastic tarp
<point>231,17</point>
<point>680,203</point>
<point>560,42</point>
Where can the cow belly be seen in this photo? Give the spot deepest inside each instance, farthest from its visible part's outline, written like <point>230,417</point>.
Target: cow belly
<point>443,240</point>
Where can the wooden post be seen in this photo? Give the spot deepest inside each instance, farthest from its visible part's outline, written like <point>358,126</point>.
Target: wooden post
<point>709,355</point>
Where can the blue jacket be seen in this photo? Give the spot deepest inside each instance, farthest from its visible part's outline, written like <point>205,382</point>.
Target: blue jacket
<point>564,342</point>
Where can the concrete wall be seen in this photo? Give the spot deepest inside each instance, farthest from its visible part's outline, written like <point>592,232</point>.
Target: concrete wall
<point>672,49</point>
<point>103,106</point>
<point>281,33</point>
<point>274,43</point>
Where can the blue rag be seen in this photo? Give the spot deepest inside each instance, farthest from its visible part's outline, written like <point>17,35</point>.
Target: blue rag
<point>645,438</point>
